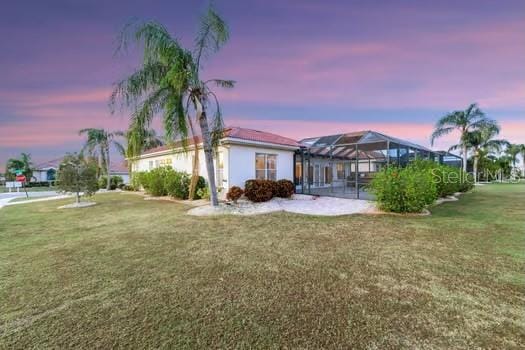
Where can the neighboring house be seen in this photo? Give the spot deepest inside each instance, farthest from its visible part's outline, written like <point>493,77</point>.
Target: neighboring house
<point>334,165</point>
<point>46,172</point>
<point>120,169</point>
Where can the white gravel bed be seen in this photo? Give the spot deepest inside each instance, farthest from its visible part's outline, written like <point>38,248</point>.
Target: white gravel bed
<point>77,205</point>
<point>300,204</point>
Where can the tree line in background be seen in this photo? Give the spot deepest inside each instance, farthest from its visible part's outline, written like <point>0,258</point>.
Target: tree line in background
<point>489,157</point>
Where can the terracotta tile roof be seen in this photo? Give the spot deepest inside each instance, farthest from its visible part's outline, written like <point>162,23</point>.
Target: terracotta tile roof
<point>120,167</point>
<point>49,164</point>
<point>259,136</point>
<point>245,134</point>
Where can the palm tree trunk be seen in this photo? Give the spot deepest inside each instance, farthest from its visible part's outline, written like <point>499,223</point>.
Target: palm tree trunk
<point>465,155</point>
<point>108,187</point>
<point>523,166</point>
<point>208,151</point>
<point>195,165</point>
<point>476,159</point>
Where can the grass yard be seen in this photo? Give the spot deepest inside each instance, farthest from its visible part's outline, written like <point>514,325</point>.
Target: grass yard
<point>142,274</point>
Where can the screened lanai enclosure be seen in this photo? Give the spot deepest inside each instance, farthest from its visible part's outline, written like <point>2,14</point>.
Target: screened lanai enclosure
<point>343,165</point>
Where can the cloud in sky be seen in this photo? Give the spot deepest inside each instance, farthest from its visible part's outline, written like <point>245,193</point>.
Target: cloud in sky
<point>301,67</point>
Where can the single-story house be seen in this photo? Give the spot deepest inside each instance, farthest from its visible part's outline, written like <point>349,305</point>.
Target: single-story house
<point>337,165</point>
<point>47,171</point>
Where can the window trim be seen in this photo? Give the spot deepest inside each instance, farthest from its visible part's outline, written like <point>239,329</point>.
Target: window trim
<point>267,170</point>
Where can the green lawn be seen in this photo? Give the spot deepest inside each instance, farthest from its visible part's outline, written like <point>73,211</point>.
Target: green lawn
<point>142,274</point>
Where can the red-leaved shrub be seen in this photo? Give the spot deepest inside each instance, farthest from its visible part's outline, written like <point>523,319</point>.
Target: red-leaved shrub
<point>284,188</point>
<point>259,190</point>
<point>234,194</point>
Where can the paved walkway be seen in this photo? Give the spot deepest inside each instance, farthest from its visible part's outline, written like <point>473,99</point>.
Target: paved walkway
<point>5,198</point>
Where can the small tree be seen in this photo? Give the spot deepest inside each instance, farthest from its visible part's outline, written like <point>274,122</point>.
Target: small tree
<point>22,164</point>
<point>76,175</point>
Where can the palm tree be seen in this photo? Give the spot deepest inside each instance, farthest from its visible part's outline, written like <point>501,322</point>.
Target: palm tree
<point>140,140</point>
<point>481,142</point>
<point>512,152</point>
<point>465,121</point>
<point>99,142</point>
<point>169,81</point>
<point>522,153</point>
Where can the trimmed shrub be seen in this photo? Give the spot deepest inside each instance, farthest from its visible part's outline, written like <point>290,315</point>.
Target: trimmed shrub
<point>404,190</point>
<point>203,193</point>
<point>467,182</point>
<point>154,181</point>
<point>285,188</point>
<point>234,194</point>
<point>114,182</point>
<point>259,190</point>
<point>167,181</point>
<point>177,184</point>
<point>136,182</point>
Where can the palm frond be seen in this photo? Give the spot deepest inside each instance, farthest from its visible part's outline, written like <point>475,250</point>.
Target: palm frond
<point>217,123</point>
<point>455,147</point>
<point>138,84</point>
<point>212,34</point>
<point>174,119</point>
<point>439,132</point>
<point>227,84</point>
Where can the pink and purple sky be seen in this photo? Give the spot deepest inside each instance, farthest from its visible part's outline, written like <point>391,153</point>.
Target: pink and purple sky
<point>303,68</point>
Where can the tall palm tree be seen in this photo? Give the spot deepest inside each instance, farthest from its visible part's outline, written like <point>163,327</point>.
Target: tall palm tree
<point>465,121</point>
<point>482,140</point>
<point>522,153</point>
<point>169,81</point>
<point>139,140</point>
<point>512,151</point>
<point>99,142</point>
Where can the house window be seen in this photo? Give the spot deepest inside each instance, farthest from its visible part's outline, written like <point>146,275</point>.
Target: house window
<point>165,162</point>
<point>265,166</point>
<point>150,165</point>
<point>220,169</point>
<point>340,167</point>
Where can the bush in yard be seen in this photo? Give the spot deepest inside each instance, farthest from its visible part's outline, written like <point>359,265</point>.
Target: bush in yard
<point>467,182</point>
<point>234,194</point>
<point>165,181</point>
<point>75,175</point>
<point>259,190</point>
<point>154,181</point>
<point>285,188</point>
<point>404,190</point>
<point>177,184</point>
<point>136,180</point>
<point>203,193</point>
<point>115,181</point>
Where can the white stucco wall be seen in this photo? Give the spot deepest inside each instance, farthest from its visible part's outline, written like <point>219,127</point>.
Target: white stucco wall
<point>182,162</point>
<point>242,163</point>
<point>238,163</point>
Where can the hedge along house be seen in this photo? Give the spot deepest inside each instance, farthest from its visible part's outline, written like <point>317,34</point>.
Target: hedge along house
<point>337,165</point>
<point>342,165</point>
